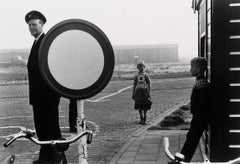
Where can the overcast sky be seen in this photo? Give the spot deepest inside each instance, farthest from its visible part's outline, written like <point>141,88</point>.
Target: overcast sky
<point>125,22</point>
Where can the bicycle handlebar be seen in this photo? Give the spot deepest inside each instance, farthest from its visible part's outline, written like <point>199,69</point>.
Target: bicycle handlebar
<point>173,158</point>
<point>23,133</point>
<point>10,141</point>
<point>166,149</point>
<point>27,133</point>
<point>68,141</point>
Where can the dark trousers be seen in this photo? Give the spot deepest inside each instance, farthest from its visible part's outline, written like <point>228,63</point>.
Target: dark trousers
<point>198,125</point>
<point>73,114</point>
<point>46,120</point>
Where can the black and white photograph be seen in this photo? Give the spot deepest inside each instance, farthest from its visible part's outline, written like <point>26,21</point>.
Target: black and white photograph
<point>120,82</point>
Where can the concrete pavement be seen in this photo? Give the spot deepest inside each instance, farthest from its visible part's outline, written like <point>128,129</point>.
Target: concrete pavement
<point>146,146</point>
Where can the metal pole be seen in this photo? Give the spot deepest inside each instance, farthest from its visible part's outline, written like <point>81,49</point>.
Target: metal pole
<point>81,126</point>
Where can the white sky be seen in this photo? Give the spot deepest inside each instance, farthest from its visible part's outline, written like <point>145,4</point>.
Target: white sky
<point>123,21</point>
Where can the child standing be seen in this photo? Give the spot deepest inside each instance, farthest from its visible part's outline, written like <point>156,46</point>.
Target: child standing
<point>141,92</point>
<point>199,107</point>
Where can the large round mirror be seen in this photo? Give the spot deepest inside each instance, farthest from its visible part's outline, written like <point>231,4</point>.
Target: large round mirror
<point>76,59</point>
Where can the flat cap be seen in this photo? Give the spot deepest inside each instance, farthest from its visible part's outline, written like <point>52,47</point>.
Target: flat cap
<point>35,15</point>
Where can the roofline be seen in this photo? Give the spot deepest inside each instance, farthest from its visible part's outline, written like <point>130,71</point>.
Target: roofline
<point>170,45</point>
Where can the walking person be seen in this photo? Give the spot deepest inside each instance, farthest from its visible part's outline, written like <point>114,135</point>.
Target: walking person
<point>200,107</point>
<point>43,100</point>
<point>141,92</point>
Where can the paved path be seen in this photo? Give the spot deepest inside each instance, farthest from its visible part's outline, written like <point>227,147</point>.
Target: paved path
<point>148,148</point>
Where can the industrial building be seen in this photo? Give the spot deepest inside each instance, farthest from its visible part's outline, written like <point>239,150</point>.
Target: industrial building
<point>159,53</point>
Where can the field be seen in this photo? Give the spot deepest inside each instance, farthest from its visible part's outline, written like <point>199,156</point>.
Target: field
<point>13,74</point>
<point>16,74</point>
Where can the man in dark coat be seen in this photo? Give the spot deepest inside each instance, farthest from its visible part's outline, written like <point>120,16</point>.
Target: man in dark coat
<point>43,100</point>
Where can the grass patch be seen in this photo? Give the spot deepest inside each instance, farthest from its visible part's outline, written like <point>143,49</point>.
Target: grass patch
<point>179,119</point>
<point>172,120</point>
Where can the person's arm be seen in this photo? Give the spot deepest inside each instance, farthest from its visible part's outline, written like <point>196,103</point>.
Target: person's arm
<point>148,81</point>
<point>134,87</point>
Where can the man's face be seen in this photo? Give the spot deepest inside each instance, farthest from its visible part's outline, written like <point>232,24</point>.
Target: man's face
<point>35,27</point>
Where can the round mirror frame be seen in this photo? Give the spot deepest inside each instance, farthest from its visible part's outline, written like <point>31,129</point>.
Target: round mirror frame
<point>108,53</point>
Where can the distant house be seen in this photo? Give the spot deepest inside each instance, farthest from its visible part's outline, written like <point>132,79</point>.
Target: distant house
<point>160,53</point>
<point>8,57</point>
<point>219,42</point>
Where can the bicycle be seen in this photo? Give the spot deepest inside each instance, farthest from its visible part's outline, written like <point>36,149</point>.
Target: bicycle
<point>59,145</point>
<point>178,157</point>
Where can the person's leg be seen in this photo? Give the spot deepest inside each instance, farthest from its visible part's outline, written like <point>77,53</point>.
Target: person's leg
<point>38,118</point>
<point>144,116</point>
<point>46,153</point>
<point>197,127</point>
<point>141,115</point>
<point>46,119</point>
<point>73,115</point>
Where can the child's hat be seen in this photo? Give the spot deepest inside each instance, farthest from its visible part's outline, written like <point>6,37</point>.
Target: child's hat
<point>141,63</point>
